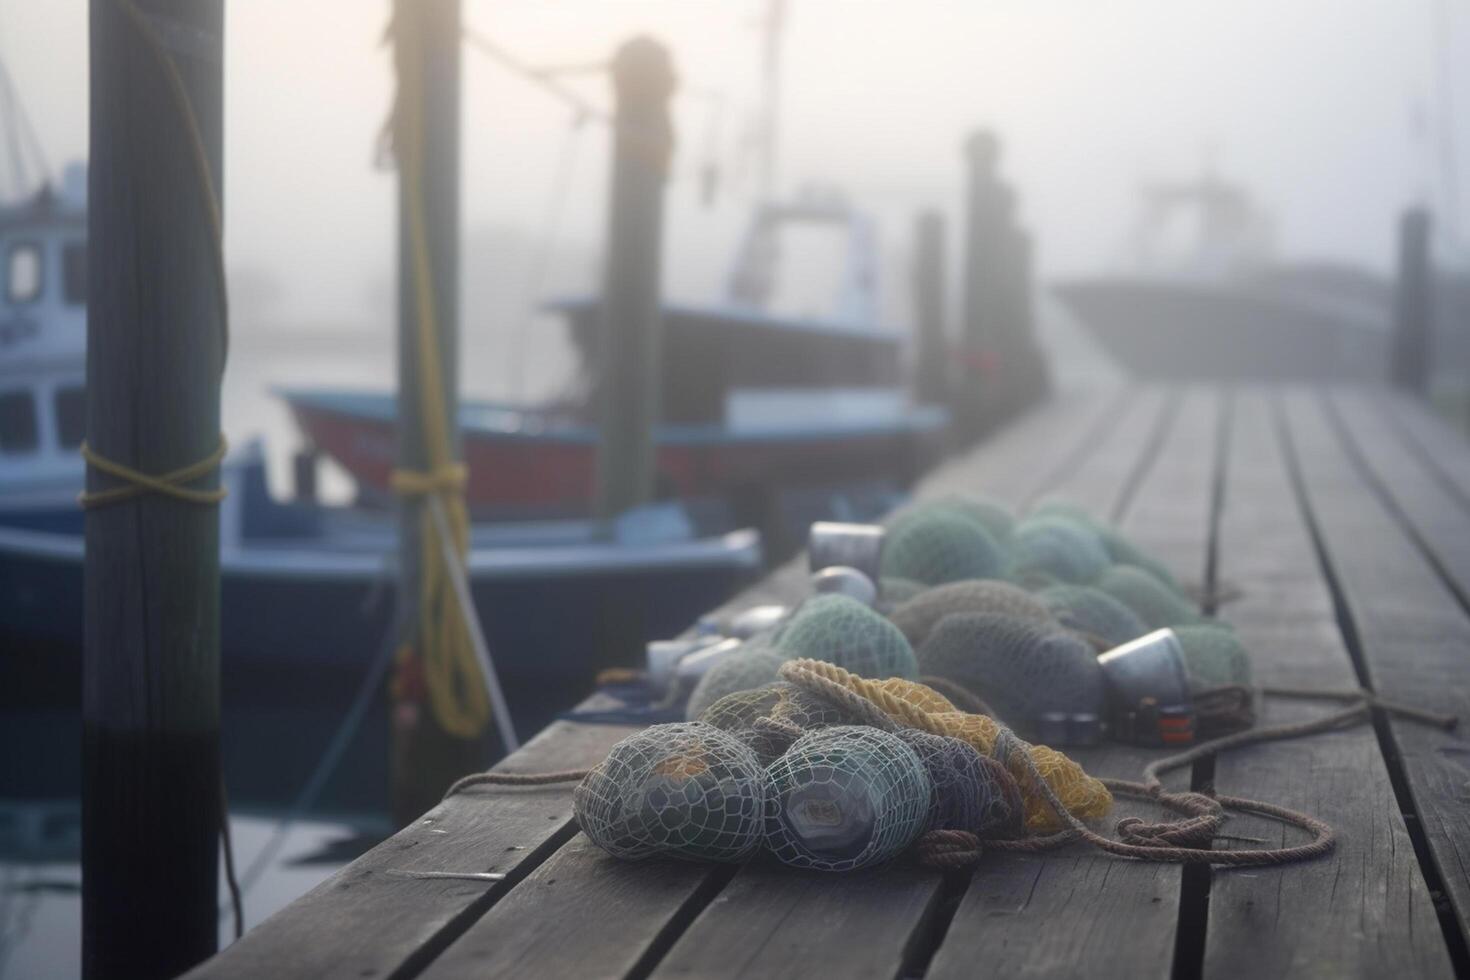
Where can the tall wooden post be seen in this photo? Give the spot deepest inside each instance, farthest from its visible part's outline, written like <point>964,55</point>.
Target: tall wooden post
<point>426,758</point>
<point>1413,304</point>
<point>155,332</point>
<point>930,381</point>
<point>643,80</point>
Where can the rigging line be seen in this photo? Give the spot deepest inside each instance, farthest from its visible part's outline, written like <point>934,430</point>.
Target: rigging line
<point>10,108</point>
<point>538,77</point>
<point>566,163</point>
<point>367,692</point>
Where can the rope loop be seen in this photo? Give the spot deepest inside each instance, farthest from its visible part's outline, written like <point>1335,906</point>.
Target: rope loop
<point>136,483</point>
<point>450,478</point>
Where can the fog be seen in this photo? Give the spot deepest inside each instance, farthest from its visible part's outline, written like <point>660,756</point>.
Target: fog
<point>1331,112</point>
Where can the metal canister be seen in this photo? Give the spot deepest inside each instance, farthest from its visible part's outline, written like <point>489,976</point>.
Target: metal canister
<point>845,580</point>
<point>858,546</point>
<point>1148,690</point>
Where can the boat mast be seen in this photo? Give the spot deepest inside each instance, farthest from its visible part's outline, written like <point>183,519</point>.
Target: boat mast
<point>22,147</point>
<point>775,22</point>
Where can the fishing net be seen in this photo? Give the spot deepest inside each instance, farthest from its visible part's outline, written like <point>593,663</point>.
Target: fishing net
<point>935,546</point>
<point>1059,548</point>
<point>771,718</point>
<point>1125,552</point>
<point>1022,669</point>
<point>1213,656</point>
<point>750,667</point>
<point>1093,613</point>
<point>844,798</point>
<point>994,517</point>
<point>916,706</point>
<point>687,790</point>
<point>917,617</point>
<point>845,632</point>
<point>895,592</point>
<point>1065,509</point>
<point>1154,602</point>
<point>971,792</point>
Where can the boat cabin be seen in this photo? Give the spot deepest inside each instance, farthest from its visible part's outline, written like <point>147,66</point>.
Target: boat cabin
<point>43,335</point>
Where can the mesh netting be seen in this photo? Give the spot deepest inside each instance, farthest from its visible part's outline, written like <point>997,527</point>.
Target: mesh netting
<point>1125,552</point>
<point>1213,656</point>
<point>994,517</point>
<point>1063,508</point>
<point>935,546</point>
<point>686,790</point>
<point>1093,613</point>
<point>896,591</point>
<point>845,632</point>
<point>971,791</point>
<point>845,798</point>
<point>750,667</point>
<point>1022,669</point>
<point>1154,602</point>
<point>1057,547</point>
<point>771,718</point>
<point>917,706</point>
<point>920,614</point>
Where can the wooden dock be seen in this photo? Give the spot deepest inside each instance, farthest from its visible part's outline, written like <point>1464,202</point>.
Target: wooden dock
<point>1339,518</point>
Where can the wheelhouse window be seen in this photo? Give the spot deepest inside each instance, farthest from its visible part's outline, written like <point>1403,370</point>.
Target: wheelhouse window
<point>18,429</point>
<point>71,416</point>
<point>74,272</point>
<point>23,273</point>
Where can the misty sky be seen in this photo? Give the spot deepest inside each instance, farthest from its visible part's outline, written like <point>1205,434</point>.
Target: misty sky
<point>1320,106</point>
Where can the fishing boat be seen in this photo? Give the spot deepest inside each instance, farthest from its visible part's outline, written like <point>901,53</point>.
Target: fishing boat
<point>1218,306</point>
<point>783,419</point>
<point>306,589</point>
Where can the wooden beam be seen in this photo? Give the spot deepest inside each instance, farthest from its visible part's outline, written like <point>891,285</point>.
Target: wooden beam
<point>151,790</point>
<point>426,758</point>
<point>1413,304</point>
<point>931,382</point>
<point>643,81</point>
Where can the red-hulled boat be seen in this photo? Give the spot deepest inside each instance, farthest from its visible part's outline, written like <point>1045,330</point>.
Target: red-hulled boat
<point>781,419</point>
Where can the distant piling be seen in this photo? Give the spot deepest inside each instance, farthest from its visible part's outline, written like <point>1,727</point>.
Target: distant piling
<point>151,790</point>
<point>931,383</point>
<point>631,335</point>
<point>1004,370</point>
<point>1413,304</point>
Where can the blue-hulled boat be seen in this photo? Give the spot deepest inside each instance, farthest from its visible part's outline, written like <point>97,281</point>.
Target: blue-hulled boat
<point>307,590</point>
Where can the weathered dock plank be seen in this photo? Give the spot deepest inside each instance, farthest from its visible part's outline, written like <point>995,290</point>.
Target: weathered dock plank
<point>1364,910</point>
<point>1335,530</point>
<point>1410,632</point>
<point>1080,911</point>
<point>367,921</point>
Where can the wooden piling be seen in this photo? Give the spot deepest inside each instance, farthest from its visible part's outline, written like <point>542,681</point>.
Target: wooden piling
<point>931,375</point>
<point>643,81</point>
<point>1413,304</point>
<point>151,792</point>
<point>425,757</point>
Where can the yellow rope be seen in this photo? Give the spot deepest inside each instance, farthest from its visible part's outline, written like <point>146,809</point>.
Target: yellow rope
<point>137,483</point>
<point>452,674</point>
<point>917,706</point>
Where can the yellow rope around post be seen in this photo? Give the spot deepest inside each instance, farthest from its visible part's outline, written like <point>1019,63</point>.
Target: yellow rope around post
<point>138,484</point>
<point>452,675</point>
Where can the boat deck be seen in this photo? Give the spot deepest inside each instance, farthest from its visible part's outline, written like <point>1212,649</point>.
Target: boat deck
<point>1339,521</point>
